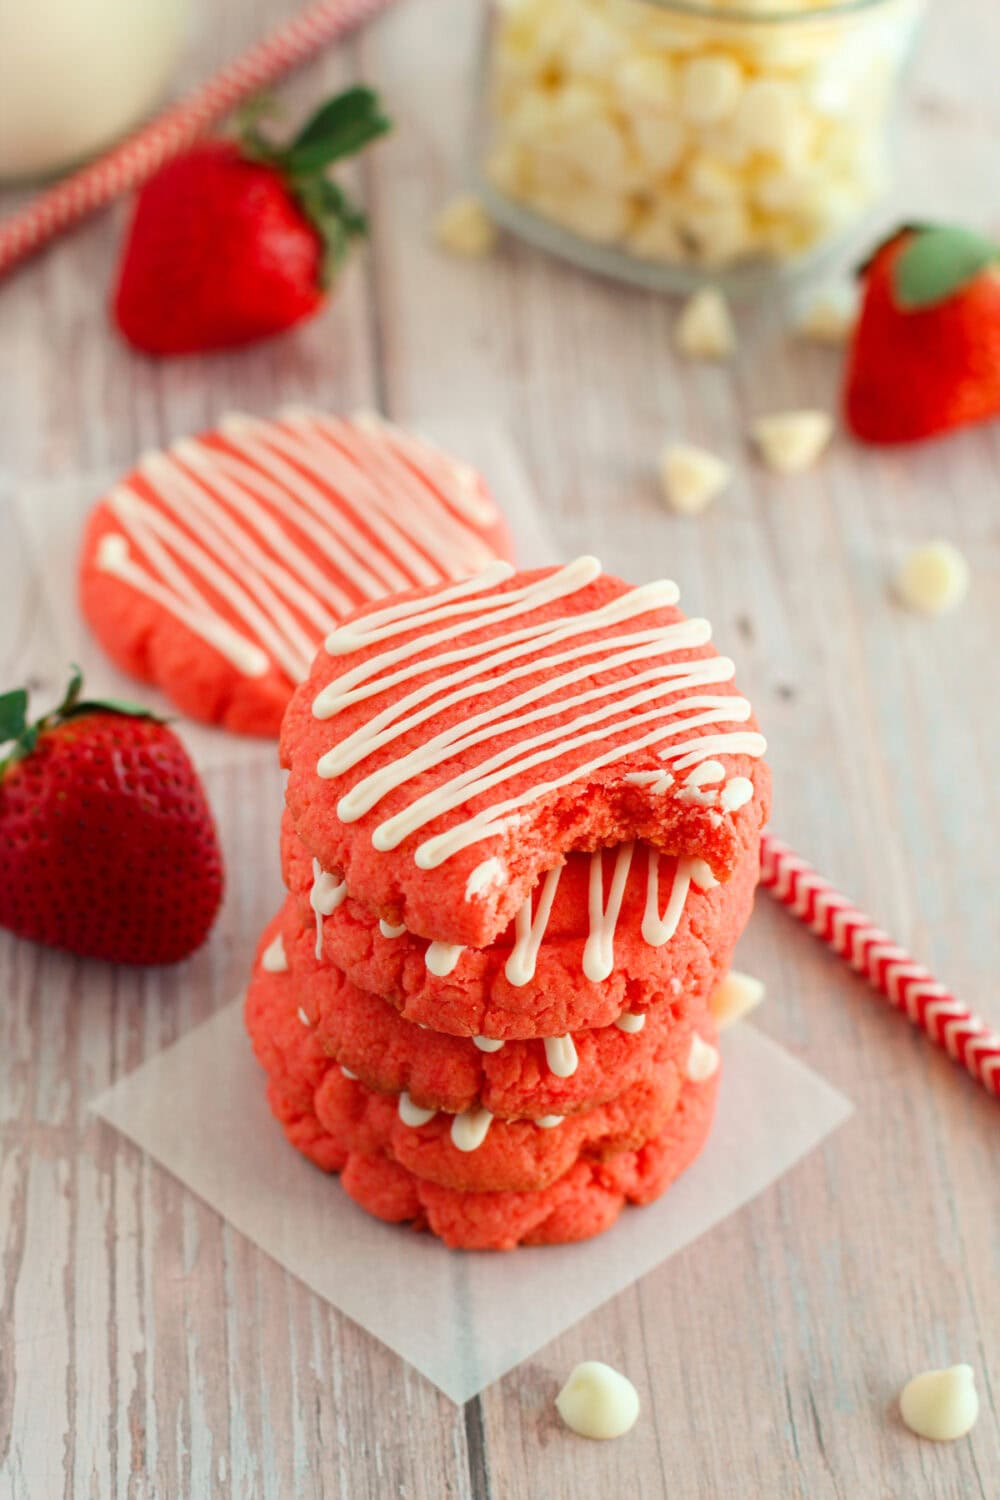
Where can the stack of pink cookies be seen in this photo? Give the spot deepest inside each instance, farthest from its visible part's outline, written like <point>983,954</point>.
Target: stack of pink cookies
<point>520,843</point>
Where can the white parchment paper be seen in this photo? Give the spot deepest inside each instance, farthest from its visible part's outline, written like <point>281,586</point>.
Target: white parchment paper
<point>52,516</point>
<point>199,1109</point>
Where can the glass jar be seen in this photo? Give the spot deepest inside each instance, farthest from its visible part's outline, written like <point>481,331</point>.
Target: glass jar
<point>668,141</point>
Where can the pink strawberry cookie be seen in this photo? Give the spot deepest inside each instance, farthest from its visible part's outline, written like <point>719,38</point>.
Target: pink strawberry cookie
<point>215,568</point>
<point>452,746</point>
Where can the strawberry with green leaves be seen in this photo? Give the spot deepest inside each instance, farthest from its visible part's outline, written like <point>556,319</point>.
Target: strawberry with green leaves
<point>236,240</point>
<point>925,357</point>
<point>107,843</point>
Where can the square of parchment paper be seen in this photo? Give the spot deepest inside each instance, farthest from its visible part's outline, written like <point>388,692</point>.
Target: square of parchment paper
<point>52,515</point>
<point>199,1109</point>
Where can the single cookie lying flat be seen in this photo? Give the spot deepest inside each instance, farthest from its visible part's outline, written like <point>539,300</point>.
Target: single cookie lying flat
<point>215,568</point>
<point>450,747</point>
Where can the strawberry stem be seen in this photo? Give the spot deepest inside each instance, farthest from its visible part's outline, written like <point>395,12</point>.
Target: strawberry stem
<point>341,127</point>
<point>16,729</point>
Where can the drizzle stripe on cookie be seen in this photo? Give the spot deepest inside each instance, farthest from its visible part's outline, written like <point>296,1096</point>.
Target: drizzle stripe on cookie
<point>531,920</point>
<point>664,695</point>
<point>217,534</point>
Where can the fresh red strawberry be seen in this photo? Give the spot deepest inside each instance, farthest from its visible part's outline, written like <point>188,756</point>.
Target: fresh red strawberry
<point>238,240</point>
<point>926,352</point>
<point>107,844</point>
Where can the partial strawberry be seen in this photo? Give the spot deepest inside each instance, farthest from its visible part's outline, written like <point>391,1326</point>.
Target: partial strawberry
<point>925,356</point>
<point>237,240</point>
<point>107,843</point>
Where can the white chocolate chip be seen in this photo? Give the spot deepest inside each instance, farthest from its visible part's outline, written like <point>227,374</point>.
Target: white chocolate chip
<point>704,329</point>
<point>769,117</point>
<point>464,228</point>
<point>646,81</point>
<point>934,578</point>
<point>792,441</point>
<point>733,997</point>
<point>831,315</point>
<point>703,1060</point>
<point>710,88</point>
<point>691,477</point>
<point>941,1404</point>
<point>598,1402</point>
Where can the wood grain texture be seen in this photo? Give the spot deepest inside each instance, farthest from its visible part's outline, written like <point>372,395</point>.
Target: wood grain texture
<point>146,1350</point>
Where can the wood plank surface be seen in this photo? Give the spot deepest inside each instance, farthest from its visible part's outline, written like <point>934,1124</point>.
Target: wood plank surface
<point>146,1350</point>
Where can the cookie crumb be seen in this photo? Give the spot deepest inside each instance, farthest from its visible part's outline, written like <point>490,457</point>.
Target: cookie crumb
<point>933,579</point>
<point>463,227</point>
<point>941,1404</point>
<point>704,329</point>
<point>792,441</point>
<point>691,478</point>
<point>598,1402</point>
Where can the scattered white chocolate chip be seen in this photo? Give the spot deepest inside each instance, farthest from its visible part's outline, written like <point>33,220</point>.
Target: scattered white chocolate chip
<point>702,1061</point>
<point>793,440</point>
<point>598,1402</point>
<point>691,477</point>
<point>704,328</point>
<point>934,578</point>
<point>941,1404</point>
<point>463,227</point>
<point>733,997</point>
<point>830,316</point>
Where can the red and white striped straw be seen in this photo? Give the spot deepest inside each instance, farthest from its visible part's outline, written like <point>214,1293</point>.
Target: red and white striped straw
<point>137,158</point>
<point>888,968</point>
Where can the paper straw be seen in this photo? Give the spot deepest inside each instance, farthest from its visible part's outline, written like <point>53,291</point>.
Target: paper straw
<point>888,968</point>
<point>135,160</point>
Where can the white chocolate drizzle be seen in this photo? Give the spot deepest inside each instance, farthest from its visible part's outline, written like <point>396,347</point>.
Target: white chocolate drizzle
<point>487,1043</point>
<point>599,950</point>
<point>529,931</point>
<point>442,958</point>
<point>702,1060</point>
<point>531,922</point>
<point>658,928</point>
<point>204,522</point>
<point>469,1130</point>
<point>631,1021</point>
<point>663,700</point>
<point>413,1114</point>
<point>274,959</point>
<point>325,896</point>
<point>561,1056</point>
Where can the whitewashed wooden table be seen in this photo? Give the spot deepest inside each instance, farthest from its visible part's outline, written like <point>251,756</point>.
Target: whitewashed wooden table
<point>145,1348</point>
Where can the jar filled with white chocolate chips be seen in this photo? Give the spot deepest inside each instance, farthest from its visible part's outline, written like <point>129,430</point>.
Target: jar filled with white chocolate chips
<point>666,140</point>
